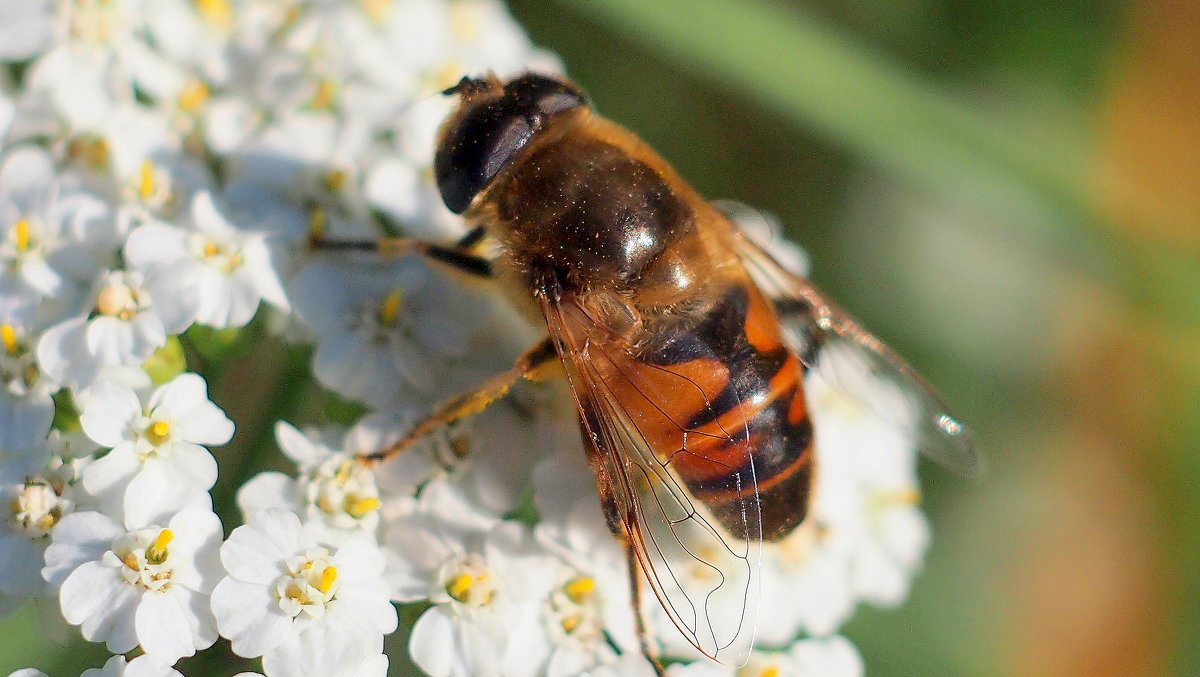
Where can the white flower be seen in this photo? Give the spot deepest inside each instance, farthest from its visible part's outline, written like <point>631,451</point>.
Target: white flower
<point>807,576</point>
<point>335,489</point>
<point>383,334</point>
<point>26,407</point>
<point>867,494</point>
<point>307,157</point>
<point>134,314</point>
<point>305,608</point>
<point>156,464</point>
<point>573,527</point>
<point>154,177</point>
<point>147,586</point>
<point>478,582</point>
<point>32,504</point>
<point>142,666</point>
<point>627,665</point>
<point>827,657</point>
<point>488,457</point>
<point>50,233</point>
<point>232,269</point>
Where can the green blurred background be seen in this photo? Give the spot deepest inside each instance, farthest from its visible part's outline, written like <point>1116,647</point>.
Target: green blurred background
<point>1008,191</point>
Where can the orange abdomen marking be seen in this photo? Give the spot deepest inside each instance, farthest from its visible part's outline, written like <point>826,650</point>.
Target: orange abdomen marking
<point>722,401</point>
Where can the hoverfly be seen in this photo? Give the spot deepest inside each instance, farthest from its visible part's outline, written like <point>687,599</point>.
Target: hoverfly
<point>684,343</point>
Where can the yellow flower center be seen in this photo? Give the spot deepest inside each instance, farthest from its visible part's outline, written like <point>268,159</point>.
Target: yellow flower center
<point>157,432</point>
<point>323,98</point>
<point>390,307</point>
<point>768,671</point>
<point>146,182</point>
<point>377,10</point>
<point>328,578</point>
<point>116,300</point>
<point>359,507</point>
<point>463,22</point>
<point>446,75</point>
<point>884,499</point>
<point>157,552</point>
<point>316,222</point>
<point>90,150</point>
<point>334,180</point>
<point>459,587</point>
<point>193,96</point>
<point>580,589</point>
<point>9,336</point>
<point>216,13</point>
<point>21,234</point>
<point>571,623</point>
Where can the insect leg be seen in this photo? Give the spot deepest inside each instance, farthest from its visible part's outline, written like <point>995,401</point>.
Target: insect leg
<point>459,256</point>
<point>529,366</point>
<point>635,595</point>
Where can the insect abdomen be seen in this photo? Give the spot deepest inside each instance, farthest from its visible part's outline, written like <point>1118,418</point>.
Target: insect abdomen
<point>731,415</point>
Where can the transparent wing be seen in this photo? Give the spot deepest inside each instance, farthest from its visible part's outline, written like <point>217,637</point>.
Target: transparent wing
<point>827,339</point>
<point>705,576</point>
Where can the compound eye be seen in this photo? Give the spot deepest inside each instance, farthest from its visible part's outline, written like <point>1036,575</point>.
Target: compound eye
<point>475,149</point>
<point>491,132</point>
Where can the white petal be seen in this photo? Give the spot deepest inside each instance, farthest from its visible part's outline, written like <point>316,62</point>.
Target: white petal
<point>155,244</point>
<point>266,263</point>
<point>115,342</point>
<point>95,597</point>
<point>146,666</point>
<point>21,560</point>
<point>109,474</point>
<point>60,350</point>
<point>80,537</point>
<point>207,218</point>
<point>185,400</point>
<point>298,447</point>
<point>432,644</point>
<point>156,492</point>
<point>321,652</point>
<point>163,626</point>
<point>255,551</point>
<point>191,464</point>
<point>372,666</point>
<point>109,407</point>
<point>249,617</point>
<point>268,490</point>
<point>360,558</point>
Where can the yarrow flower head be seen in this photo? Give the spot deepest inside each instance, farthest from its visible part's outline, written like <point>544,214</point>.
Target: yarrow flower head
<point>335,490</point>
<point>232,269</point>
<point>117,666</point>
<point>147,586</point>
<point>156,463</point>
<point>306,608</point>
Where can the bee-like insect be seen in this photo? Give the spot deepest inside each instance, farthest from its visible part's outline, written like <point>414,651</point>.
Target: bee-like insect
<point>684,343</point>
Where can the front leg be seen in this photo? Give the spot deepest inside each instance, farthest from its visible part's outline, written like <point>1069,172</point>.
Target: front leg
<point>530,365</point>
<point>460,256</point>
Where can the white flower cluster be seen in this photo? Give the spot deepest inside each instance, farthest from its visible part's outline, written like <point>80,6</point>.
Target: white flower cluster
<point>163,164</point>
